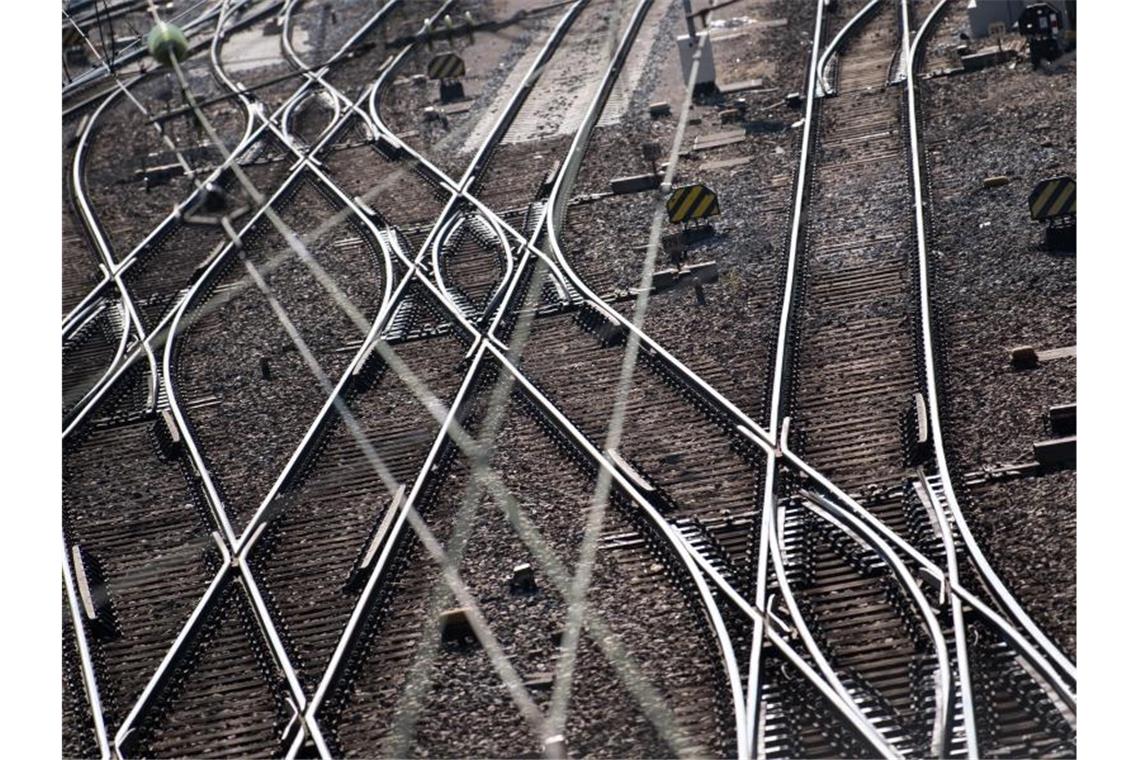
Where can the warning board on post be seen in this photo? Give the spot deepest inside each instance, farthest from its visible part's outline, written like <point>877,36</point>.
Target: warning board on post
<point>1053,198</point>
<point>691,203</point>
<point>446,66</point>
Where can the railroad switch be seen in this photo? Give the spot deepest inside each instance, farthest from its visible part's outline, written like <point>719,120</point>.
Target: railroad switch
<point>635,184</point>
<point>522,579</point>
<point>156,176</point>
<point>936,584</point>
<point>455,626</point>
<point>698,275</point>
<point>601,325</point>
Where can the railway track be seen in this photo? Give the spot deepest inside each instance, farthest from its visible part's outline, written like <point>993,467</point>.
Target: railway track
<point>318,598</point>
<point>384,653</point>
<point>855,364</point>
<point>993,414</point>
<point>919,694</point>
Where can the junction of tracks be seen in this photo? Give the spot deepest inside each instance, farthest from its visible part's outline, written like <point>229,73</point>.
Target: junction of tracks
<point>459,378</point>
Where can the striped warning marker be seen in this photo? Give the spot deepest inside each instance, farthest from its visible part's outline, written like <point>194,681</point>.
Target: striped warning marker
<point>446,66</point>
<point>691,202</point>
<point>1053,197</point>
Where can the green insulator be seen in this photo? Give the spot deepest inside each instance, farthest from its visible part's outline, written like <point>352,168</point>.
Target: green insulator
<point>167,43</point>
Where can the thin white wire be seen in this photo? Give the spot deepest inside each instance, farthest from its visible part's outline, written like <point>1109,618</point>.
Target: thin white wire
<point>297,248</point>
<point>596,516</point>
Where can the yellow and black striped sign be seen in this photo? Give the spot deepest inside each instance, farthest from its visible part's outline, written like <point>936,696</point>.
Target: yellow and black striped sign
<point>690,203</point>
<point>446,66</point>
<point>1052,198</point>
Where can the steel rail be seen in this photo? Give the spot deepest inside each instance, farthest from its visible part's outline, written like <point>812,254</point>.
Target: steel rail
<point>78,313</point>
<point>166,668</point>
<point>72,422</point>
<point>993,582</point>
<point>758,435</point>
<point>770,445</point>
<point>87,666</point>
<point>120,349</point>
<point>1009,632</point>
<point>474,169</point>
<point>845,707</point>
<point>244,542</point>
<point>216,266</point>
<point>943,696</point>
<point>823,86</point>
<point>247,580</point>
<point>461,193</point>
<point>708,602</point>
<point>940,735</point>
<point>175,216</point>
<point>131,320</point>
<point>304,165</point>
<point>219,71</point>
<point>478,357</point>
<point>340,98</point>
<point>776,529</point>
<point>97,73</point>
<point>249,585</point>
<point>245,576</point>
<point>962,653</point>
<point>950,549</point>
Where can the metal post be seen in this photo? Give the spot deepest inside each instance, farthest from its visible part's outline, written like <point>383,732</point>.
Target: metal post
<point>688,9</point>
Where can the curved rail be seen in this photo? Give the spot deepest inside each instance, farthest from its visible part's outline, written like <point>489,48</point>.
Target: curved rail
<point>823,84</point>
<point>944,703</point>
<point>99,72</point>
<point>845,503</point>
<point>244,573</point>
<point>267,124</point>
<point>483,347</point>
<point>94,228</point>
<point>993,582</point>
<point>90,683</point>
<point>756,433</point>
